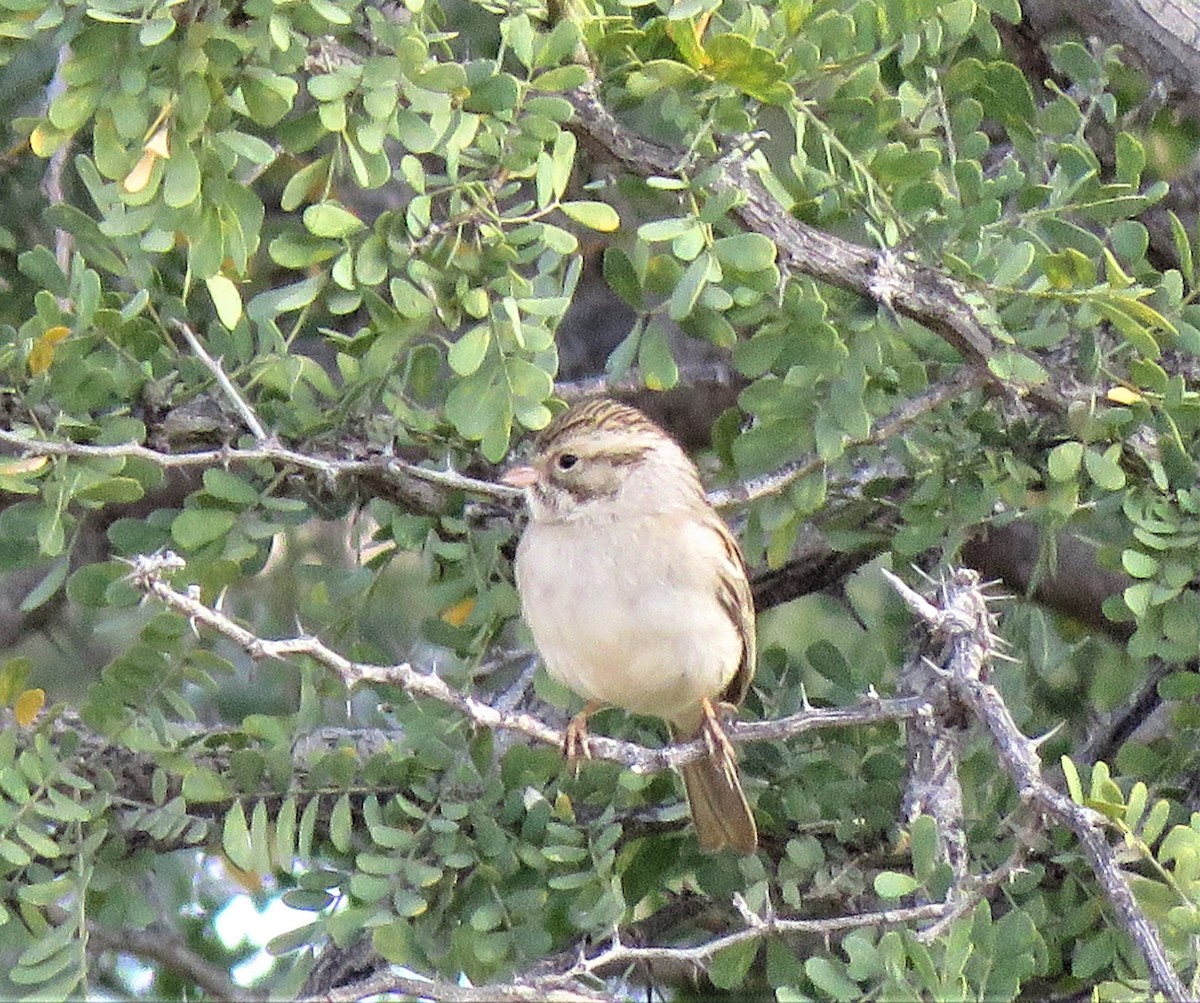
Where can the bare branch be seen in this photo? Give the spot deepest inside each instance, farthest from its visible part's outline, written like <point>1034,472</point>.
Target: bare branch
<point>571,984</point>
<point>692,374</point>
<point>148,575</point>
<point>962,623</point>
<point>618,957</point>
<point>391,981</point>
<point>329,468</point>
<point>223,380</point>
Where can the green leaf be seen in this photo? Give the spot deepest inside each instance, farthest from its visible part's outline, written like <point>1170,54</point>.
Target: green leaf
<point>893,885</point>
<point>331,12</point>
<point>193,528</point>
<point>561,78</point>
<point>112,490</point>
<point>326,219</point>
<point>1011,365</point>
<point>1139,564</point>
<point>467,354</point>
<point>748,67</point>
<point>235,837</point>
<point>659,371</point>
<point>203,785</point>
<point>496,93</point>
<point>595,215</point>
<point>689,287</point>
<point>1183,249</point>
<point>1074,786</point>
<point>730,964</point>
<point>747,252</point>
<point>1064,461</point>
<point>1104,468</point>
<point>181,179</point>
<point>228,486</point>
<point>622,277</point>
<point>46,588</point>
<point>831,978</point>
<point>303,183</point>
<point>340,825</point>
<point>666,229</point>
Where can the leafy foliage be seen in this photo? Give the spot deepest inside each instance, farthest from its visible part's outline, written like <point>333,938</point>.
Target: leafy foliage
<point>375,220</point>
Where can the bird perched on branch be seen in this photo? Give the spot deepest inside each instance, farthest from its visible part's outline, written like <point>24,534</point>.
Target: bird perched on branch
<point>637,594</point>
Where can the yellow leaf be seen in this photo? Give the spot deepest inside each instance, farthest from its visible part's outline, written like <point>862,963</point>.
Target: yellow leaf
<point>139,177</point>
<point>457,614</point>
<point>247,879</point>
<point>1123,395</point>
<point>157,144</point>
<point>226,299</point>
<point>28,705</point>
<point>45,139</point>
<point>41,356</point>
<point>29,465</point>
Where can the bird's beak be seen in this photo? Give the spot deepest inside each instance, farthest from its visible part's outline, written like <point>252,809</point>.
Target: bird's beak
<point>519,477</point>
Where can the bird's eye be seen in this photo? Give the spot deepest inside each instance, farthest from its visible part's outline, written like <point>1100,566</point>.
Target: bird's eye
<point>567,460</point>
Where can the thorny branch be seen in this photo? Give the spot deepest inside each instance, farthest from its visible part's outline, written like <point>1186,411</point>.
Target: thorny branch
<point>149,573</point>
<point>962,621</point>
<point>223,380</point>
<point>617,956</point>
<point>575,981</point>
<point>332,469</point>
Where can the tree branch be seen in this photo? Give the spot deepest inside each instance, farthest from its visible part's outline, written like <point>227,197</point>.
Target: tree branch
<point>963,380</point>
<point>148,575</point>
<point>926,295</point>
<point>618,957</point>
<point>166,949</point>
<point>961,622</point>
<point>330,469</point>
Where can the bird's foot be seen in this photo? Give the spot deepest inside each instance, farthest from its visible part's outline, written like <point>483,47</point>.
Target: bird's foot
<point>713,730</point>
<point>575,739</point>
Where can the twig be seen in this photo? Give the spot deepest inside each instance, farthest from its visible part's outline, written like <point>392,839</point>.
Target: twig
<point>617,956</point>
<point>569,984</point>
<point>52,186</point>
<point>961,620</point>
<point>333,468</point>
<point>708,373</point>
<point>963,380</point>
<point>391,981</point>
<point>226,384</point>
<point>149,572</point>
<point>329,468</point>
<point>167,950</point>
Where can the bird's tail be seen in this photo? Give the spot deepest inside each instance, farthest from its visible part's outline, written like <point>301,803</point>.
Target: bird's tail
<point>719,810</point>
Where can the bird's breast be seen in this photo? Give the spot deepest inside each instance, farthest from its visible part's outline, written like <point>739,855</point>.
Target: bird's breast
<point>626,612</point>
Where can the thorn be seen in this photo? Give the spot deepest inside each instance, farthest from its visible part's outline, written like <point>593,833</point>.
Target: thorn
<point>924,574</point>
<point>939,669</point>
<point>1000,656</point>
<point>1043,739</point>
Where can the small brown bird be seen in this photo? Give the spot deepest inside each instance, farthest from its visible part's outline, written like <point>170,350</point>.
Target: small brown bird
<point>637,595</point>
